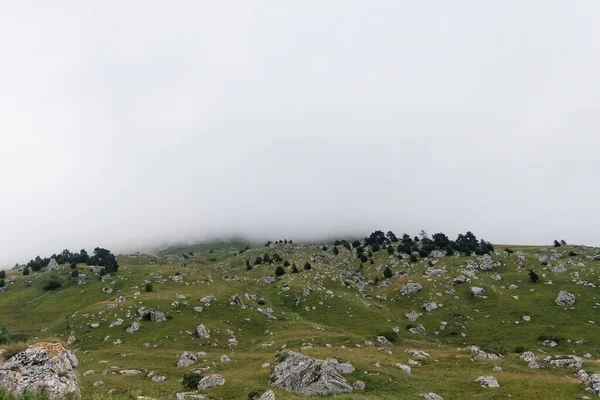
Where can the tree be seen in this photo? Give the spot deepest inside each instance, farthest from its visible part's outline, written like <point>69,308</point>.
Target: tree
<point>295,268</point>
<point>84,258</point>
<point>286,263</point>
<point>2,274</point>
<point>267,259</point>
<point>335,250</point>
<point>440,240</point>
<point>562,242</point>
<point>355,244</point>
<point>248,266</point>
<point>279,271</point>
<point>556,243</point>
<point>74,273</point>
<point>2,283</point>
<point>533,277</point>
<point>390,249</point>
<point>258,261</point>
<point>449,251</point>
<point>26,271</point>
<point>387,273</point>
<point>423,234</point>
<point>391,237</point>
<point>73,265</point>
<point>307,266</point>
<point>104,258</point>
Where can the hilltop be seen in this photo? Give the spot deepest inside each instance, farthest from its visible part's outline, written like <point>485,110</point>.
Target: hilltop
<point>409,323</point>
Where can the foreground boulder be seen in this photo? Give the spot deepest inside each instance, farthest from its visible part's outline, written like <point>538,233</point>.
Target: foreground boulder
<point>565,298</point>
<point>45,368</point>
<point>487,381</point>
<point>211,381</point>
<point>307,376</point>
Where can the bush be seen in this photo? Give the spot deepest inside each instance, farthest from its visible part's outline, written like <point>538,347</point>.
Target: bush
<point>286,263</point>
<point>509,251</point>
<point>295,268</point>
<point>336,251</point>
<point>449,251</point>
<point>413,258</point>
<point>387,273</point>
<point>53,284</point>
<point>279,271</point>
<point>572,253</point>
<point>248,266</point>
<point>74,273</point>
<point>533,277</point>
<point>307,266</point>
<point>364,258</point>
<point>191,380</point>
<point>2,283</point>
<point>520,349</point>
<point>2,274</point>
<point>149,287</point>
<point>26,271</point>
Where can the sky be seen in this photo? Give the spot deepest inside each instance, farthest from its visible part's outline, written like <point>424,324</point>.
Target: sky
<point>129,124</point>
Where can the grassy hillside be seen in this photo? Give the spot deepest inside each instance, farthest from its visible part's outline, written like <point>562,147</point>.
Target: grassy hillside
<point>336,309</point>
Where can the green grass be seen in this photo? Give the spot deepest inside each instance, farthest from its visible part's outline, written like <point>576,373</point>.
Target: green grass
<point>335,318</point>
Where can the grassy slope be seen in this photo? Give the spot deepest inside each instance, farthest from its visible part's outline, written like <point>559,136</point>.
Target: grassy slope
<point>343,319</point>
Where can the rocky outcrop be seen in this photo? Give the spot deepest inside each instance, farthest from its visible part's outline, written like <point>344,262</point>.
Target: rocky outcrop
<point>186,360</point>
<point>45,368</point>
<point>203,332</point>
<point>151,315</point>
<point>307,376</point>
<point>411,288</point>
<point>211,381</point>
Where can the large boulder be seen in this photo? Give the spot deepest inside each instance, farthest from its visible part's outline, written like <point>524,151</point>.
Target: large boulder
<point>307,376</point>
<point>45,368</point>
<point>487,381</point>
<point>211,381</point>
<point>565,298</point>
<point>186,360</point>
<point>203,332</point>
<point>151,315</point>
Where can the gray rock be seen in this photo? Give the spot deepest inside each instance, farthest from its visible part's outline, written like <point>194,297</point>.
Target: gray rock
<point>307,376</point>
<point>403,368</point>
<point>569,362</point>
<point>268,395</point>
<point>211,381</point>
<point>559,269</point>
<point>207,299</point>
<point>133,328</point>
<point>151,315</point>
<point>432,396</point>
<point>411,288</point>
<point>412,316</point>
<point>189,395</point>
<point>477,291</point>
<point>593,384</point>
<point>45,368</point>
<point>430,306</point>
<point>237,300</point>
<point>266,280</point>
<point>186,360</point>
<point>458,280</point>
<point>52,265</point>
<point>487,381</point>
<point>359,385</point>
<point>203,332</point>
<point>565,298</point>
<point>130,372</point>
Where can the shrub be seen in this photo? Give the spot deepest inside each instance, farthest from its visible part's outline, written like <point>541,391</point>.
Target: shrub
<point>520,349</point>
<point>26,271</point>
<point>2,274</point>
<point>191,380</point>
<point>336,251</point>
<point>572,253</point>
<point>556,243</point>
<point>2,283</point>
<point>258,261</point>
<point>295,268</point>
<point>149,287</point>
<point>364,258</point>
<point>307,266</point>
<point>533,277</point>
<point>286,263</point>
<point>387,273</point>
<point>390,249</point>
<point>509,251</point>
<point>279,271</point>
<point>261,302</point>
<point>74,273</point>
<point>413,258</point>
<point>248,266</point>
<point>53,284</point>
<point>449,251</point>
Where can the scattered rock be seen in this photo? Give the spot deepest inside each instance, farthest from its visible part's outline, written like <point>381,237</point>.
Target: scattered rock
<point>487,381</point>
<point>411,288</point>
<point>186,360</point>
<point>203,332</point>
<point>211,381</point>
<point>565,298</point>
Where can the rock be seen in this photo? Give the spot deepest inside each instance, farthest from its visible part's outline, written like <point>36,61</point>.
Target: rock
<point>593,384</point>
<point>72,339</point>
<point>411,288</point>
<point>383,341</point>
<point>268,395</point>
<point>120,298</point>
<point>159,378</point>
<point>418,353</point>
<point>565,298</point>
<point>186,360</point>
<point>487,381</point>
<point>107,290</point>
<point>130,372</point>
<point>476,351</point>
<point>94,325</point>
<point>203,332</point>
<point>207,299</point>
<point>98,383</point>
<point>432,396</point>
<point>412,316</point>
<point>266,280</point>
<point>403,368</point>
<point>189,395</point>
<point>224,359</point>
<point>237,300</point>
<point>530,358</point>
<point>359,385</point>
<point>151,315</point>
<point>430,306</point>
<point>45,368</point>
<point>52,265</point>
<point>88,372</point>
<point>526,318</point>
<point>133,328</point>
<point>559,269</point>
<point>417,330</point>
<point>458,280</point>
<point>307,376</point>
<point>477,291</point>
<point>486,263</point>
<point>496,277</point>
<point>211,381</point>
<point>118,322</point>
<point>570,362</point>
